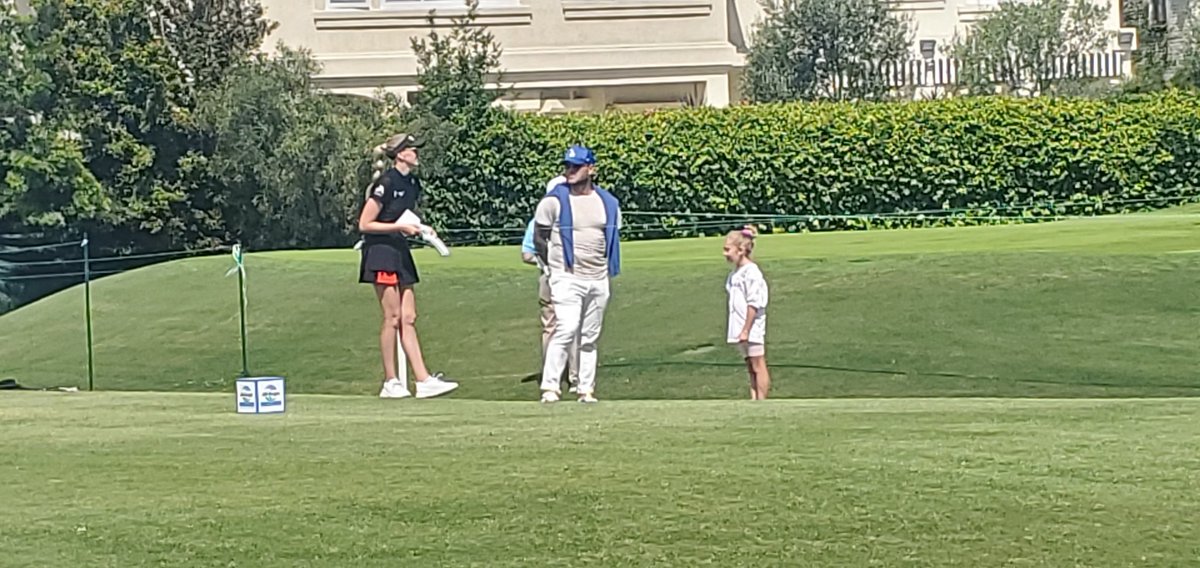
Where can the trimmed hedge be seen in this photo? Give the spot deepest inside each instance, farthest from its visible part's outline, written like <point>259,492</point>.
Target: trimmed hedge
<point>956,160</point>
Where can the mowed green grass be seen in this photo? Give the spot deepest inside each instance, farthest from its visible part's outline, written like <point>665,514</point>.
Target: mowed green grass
<point>153,479</point>
<point>1081,308</point>
<point>1097,308</point>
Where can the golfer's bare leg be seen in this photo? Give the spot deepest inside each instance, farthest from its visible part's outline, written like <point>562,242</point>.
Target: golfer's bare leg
<point>408,334</point>
<point>389,303</point>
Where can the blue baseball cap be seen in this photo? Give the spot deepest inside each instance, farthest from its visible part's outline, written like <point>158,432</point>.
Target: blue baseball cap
<point>579,156</point>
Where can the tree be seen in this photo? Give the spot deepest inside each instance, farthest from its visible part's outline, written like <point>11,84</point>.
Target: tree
<point>285,163</point>
<point>1187,65</point>
<point>825,49</point>
<point>102,94</point>
<point>453,70</point>
<point>43,175</point>
<point>95,106</point>
<point>454,110</point>
<point>1152,58</point>
<point>211,37</point>
<point>285,159</point>
<point>1031,47</point>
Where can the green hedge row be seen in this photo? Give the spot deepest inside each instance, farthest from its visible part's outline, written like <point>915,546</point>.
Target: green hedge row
<point>958,161</point>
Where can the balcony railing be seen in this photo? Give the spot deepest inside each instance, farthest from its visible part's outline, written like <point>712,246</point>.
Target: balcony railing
<point>945,71</point>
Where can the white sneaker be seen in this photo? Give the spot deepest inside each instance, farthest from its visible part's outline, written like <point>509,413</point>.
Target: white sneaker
<point>588,398</point>
<point>393,388</point>
<point>434,386</point>
<point>574,388</point>
<point>549,397</point>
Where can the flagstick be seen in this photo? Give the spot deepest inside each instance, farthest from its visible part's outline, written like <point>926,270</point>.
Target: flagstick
<point>237,255</point>
<point>401,361</point>
<point>87,303</point>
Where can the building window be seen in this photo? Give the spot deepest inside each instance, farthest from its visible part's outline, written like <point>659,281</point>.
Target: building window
<point>928,48</point>
<point>347,4</point>
<point>1158,12</point>
<point>377,5</point>
<point>409,4</point>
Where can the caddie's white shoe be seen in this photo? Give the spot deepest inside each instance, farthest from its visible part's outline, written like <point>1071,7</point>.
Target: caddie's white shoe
<point>587,398</point>
<point>393,388</point>
<point>549,397</point>
<point>434,386</point>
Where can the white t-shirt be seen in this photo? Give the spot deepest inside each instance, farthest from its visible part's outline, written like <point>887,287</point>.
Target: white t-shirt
<point>591,254</point>
<point>747,287</point>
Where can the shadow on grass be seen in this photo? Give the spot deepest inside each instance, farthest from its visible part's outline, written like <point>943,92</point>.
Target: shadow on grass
<point>534,377</point>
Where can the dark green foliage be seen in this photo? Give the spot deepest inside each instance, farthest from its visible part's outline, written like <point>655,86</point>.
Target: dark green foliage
<point>825,49</point>
<point>980,156</point>
<point>1031,48</point>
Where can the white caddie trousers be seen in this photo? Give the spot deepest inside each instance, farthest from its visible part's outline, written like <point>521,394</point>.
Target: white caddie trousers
<point>579,308</point>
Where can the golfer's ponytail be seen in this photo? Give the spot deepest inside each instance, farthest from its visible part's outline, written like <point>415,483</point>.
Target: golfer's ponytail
<point>378,165</point>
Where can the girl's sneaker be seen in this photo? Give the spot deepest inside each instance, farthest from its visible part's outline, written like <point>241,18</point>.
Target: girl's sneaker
<point>434,386</point>
<point>393,388</point>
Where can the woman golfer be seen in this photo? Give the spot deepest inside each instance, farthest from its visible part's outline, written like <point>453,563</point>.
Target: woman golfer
<point>387,264</point>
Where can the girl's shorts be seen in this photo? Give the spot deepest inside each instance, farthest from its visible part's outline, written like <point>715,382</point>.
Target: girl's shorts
<point>748,350</point>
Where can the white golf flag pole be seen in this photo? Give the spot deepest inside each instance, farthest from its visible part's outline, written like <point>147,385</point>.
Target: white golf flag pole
<point>401,361</point>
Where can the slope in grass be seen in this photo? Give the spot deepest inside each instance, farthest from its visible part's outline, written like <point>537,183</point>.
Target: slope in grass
<point>1103,307</point>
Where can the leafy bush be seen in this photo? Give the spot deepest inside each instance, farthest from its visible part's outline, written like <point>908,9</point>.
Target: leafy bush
<point>956,160</point>
<point>284,165</point>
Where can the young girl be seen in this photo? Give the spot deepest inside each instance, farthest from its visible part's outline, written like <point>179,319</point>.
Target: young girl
<point>387,264</point>
<point>748,308</point>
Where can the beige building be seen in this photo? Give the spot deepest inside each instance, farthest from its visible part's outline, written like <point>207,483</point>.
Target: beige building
<point>938,20</point>
<point>568,55</point>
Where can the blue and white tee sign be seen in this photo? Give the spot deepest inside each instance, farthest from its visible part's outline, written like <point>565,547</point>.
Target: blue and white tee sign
<point>260,395</point>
